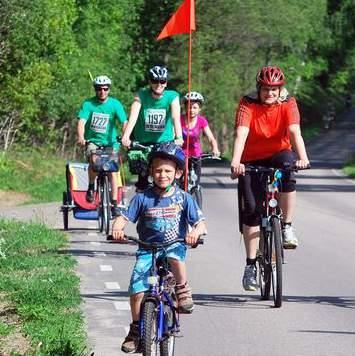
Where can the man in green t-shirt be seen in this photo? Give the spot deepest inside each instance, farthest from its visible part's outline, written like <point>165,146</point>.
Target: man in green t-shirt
<point>154,116</point>
<point>98,121</point>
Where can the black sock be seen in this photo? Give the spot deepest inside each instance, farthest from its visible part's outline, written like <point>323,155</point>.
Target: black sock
<point>91,186</point>
<point>251,261</point>
<point>114,202</point>
<point>284,224</point>
<point>135,322</point>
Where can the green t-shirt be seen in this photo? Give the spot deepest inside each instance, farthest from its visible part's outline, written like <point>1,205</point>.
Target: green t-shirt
<point>102,120</point>
<point>154,123</point>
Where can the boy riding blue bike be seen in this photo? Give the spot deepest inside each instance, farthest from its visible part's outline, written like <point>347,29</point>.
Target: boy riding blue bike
<point>164,213</point>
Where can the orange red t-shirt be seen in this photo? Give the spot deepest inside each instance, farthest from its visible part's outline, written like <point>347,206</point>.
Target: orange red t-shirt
<point>268,127</point>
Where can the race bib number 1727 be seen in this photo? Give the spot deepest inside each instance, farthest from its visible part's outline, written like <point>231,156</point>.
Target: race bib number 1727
<point>99,122</point>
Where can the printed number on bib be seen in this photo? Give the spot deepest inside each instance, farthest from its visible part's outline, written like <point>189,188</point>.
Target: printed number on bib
<point>155,120</point>
<point>99,122</point>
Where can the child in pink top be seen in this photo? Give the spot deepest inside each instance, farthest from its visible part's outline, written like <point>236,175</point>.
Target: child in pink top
<point>197,125</point>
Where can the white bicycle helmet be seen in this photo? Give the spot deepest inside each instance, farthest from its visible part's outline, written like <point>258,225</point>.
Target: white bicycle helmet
<point>102,80</point>
<point>158,73</point>
<point>194,96</point>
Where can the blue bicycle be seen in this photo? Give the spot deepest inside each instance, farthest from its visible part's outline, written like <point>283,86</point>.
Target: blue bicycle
<point>159,318</point>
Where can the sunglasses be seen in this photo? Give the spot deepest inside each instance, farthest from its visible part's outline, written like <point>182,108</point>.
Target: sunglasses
<point>161,81</point>
<point>101,88</point>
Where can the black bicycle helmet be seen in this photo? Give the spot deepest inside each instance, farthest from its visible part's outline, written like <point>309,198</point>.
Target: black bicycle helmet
<point>171,151</point>
<point>158,73</point>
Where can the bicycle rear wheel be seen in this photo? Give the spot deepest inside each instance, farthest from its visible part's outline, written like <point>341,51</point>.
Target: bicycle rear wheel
<point>276,261</point>
<point>107,206</point>
<point>167,346</point>
<point>264,260</point>
<point>149,329</point>
<point>104,207</point>
<point>65,211</point>
<point>197,195</point>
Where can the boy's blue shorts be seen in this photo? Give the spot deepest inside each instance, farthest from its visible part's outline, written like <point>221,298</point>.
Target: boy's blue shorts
<point>140,274</point>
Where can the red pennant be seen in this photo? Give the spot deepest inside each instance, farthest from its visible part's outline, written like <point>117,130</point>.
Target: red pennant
<point>182,21</point>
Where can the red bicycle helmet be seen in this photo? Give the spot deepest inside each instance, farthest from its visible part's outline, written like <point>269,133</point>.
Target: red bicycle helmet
<point>270,76</point>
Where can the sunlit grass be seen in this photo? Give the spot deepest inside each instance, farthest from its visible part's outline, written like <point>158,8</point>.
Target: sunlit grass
<point>37,279</point>
<point>349,168</point>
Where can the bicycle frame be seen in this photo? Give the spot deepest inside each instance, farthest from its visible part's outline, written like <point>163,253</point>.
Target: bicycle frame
<point>192,175</point>
<point>104,162</point>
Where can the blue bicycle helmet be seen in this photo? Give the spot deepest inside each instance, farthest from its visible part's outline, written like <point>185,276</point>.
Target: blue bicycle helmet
<point>171,151</point>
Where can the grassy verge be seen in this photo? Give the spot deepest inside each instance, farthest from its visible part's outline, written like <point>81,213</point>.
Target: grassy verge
<point>39,293</point>
<point>349,168</point>
<point>41,175</point>
<point>38,173</point>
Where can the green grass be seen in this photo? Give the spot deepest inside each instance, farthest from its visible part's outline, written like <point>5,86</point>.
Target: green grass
<point>38,173</point>
<point>37,280</point>
<point>41,175</point>
<point>349,168</point>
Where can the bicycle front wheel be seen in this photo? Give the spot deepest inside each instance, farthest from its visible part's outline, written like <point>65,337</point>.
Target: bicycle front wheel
<point>167,346</point>
<point>197,195</point>
<point>276,264</point>
<point>149,330</point>
<point>264,259</point>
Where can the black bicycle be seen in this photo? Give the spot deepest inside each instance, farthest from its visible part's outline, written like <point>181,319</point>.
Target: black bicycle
<point>193,186</point>
<point>270,256</point>
<point>104,160</point>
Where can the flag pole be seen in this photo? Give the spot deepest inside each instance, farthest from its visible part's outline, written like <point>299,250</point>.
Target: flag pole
<point>188,110</point>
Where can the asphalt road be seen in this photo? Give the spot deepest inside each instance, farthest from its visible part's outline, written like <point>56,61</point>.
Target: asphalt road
<point>318,314</point>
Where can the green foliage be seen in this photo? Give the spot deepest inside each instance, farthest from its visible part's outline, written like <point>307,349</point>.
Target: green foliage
<point>39,281</point>
<point>47,48</point>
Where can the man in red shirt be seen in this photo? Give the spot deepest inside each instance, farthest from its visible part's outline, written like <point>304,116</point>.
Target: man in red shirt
<point>267,129</point>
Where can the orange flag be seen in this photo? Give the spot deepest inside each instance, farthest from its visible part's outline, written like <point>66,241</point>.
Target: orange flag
<point>182,21</point>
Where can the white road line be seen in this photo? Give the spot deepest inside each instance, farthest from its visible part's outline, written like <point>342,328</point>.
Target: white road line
<point>92,233</point>
<point>112,285</point>
<point>95,243</point>
<point>341,174</point>
<point>121,305</point>
<point>105,268</point>
<point>101,254</point>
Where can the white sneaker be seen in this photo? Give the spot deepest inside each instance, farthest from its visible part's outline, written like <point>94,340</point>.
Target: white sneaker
<point>289,238</point>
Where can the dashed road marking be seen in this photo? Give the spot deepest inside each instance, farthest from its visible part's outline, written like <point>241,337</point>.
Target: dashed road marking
<point>105,268</point>
<point>122,305</point>
<point>102,254</point>
<point>112,285</point>
<point>95,243</point>
<point>341,174</point>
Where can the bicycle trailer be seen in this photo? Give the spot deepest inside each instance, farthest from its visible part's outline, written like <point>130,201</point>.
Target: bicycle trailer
<point>74,198</point>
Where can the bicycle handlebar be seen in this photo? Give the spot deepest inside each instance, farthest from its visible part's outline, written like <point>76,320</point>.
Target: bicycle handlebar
<point>156,245</point>
<point>262,169</point>
<point>205,156</point>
